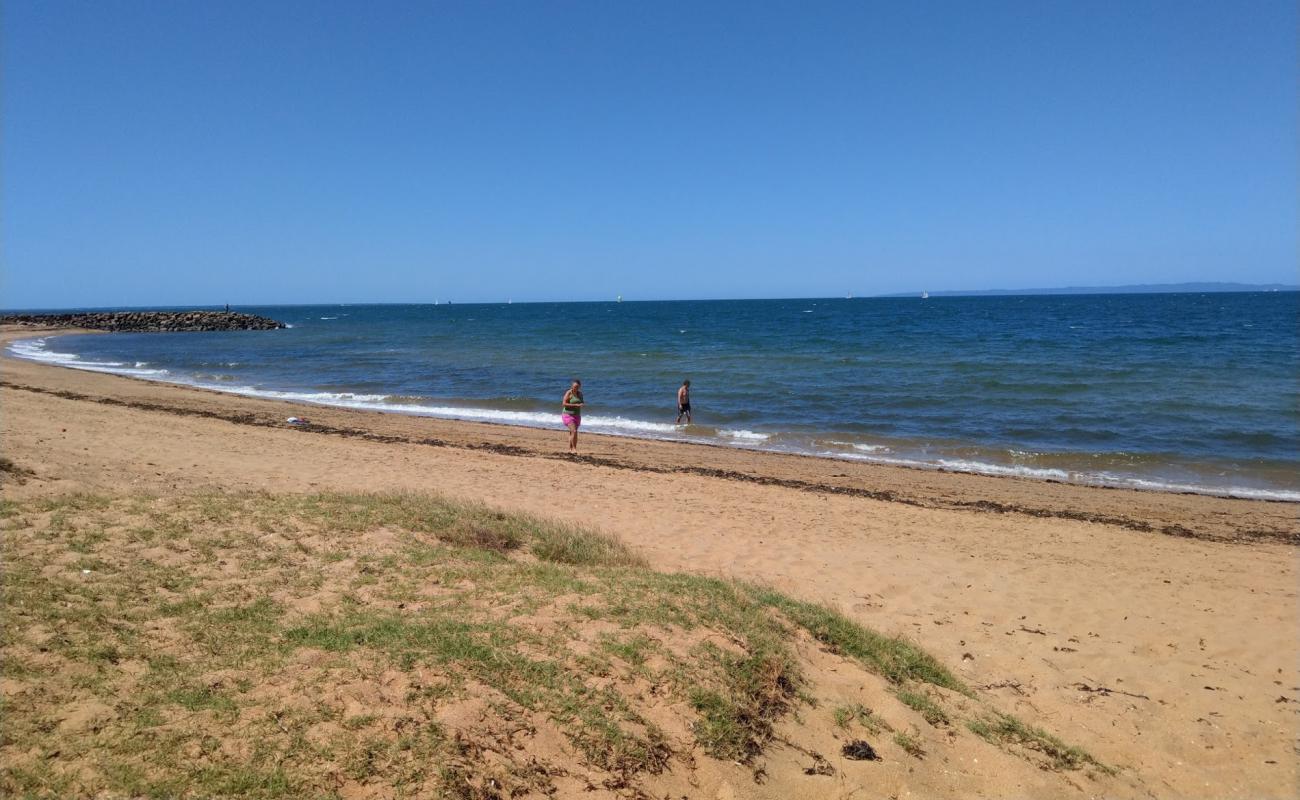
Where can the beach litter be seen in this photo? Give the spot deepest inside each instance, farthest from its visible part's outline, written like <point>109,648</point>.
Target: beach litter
<point>296,421</point>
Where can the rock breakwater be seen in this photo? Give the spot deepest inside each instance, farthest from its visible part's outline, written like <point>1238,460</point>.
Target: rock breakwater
<point>147,321</point>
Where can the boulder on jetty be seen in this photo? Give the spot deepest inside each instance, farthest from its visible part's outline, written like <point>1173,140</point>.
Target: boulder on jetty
<point>147,321</point>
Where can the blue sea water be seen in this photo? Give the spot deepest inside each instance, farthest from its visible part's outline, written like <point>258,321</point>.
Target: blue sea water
<point>1182,392</point>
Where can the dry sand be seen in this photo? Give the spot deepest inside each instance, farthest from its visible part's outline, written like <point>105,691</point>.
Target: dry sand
<point>1158,631</point>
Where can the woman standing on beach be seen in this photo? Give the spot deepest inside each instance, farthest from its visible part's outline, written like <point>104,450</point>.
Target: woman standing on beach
<point>572,413</point>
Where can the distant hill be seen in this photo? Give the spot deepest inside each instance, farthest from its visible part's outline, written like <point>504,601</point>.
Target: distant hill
<point>1138,288</point>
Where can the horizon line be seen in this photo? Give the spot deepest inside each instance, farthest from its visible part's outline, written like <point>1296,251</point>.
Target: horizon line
<point>963,294</point>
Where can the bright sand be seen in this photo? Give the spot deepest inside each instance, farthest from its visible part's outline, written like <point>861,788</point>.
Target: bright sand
<point>1157,631</point>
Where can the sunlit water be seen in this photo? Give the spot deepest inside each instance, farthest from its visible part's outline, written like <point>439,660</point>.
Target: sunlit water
<point>1178,392</point>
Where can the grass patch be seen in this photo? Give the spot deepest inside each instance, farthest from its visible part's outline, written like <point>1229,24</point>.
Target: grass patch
<point>846,716</point>
<point>575,546</point>
<point>633,650</point>
<point>454,523</point>
<point>198,698</point>
<point>736,719</point>
<point>358,722</point>
<point>1003,729</point>
<point>221,633</point>
<point>897,660</point>
<point>474,533</point>
<point>924,705</point>
<point>911,744</point>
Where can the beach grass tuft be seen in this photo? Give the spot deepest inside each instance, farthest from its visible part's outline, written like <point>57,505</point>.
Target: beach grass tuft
<point>846,716</point>
<point>929,710</point>
<point>561,544</point>
<point>897,660</point>
<point>1004,729</point>
<point>910,743</point>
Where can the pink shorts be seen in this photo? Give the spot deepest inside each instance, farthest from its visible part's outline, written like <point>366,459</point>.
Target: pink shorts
<point>571,421</point>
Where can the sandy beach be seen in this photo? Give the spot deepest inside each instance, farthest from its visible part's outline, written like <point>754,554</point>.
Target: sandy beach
<point>1157,631</point>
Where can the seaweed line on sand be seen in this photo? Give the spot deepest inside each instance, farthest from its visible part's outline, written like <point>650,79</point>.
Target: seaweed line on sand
<point>986,506</point>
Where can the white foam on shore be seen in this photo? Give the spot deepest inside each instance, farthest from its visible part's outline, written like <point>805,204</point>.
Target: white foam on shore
<point>342,399</point>
<point>36,350</point>
<point>863,448</point>
<point>530,419</point>
<point>983,468</point>
<point>664,429</point>
<point>745,436</point>
<point>1105,479</point>
<point>1244,492</point>
<point>892,461</point>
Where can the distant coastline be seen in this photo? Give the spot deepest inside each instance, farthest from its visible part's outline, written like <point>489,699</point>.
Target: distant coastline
<point>1138,288</point>
<point>1151,288</point>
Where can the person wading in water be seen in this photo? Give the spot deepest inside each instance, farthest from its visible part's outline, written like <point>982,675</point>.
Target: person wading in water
<point>571,413</point>
<point>684,403</point>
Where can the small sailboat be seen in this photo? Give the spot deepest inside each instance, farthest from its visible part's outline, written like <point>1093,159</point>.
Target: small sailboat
<point>620,299</point>
<point>925,295</point>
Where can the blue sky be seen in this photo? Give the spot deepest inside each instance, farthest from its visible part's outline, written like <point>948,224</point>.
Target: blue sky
<point>211,152</point>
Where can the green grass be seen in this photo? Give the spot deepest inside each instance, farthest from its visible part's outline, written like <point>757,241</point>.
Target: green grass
<point>634,650</point>
<point>455,523</point>
<point>198,698</point>
<point>70,502</point>
<point>846,716</point>
<point>211,600</point>
<point>924,705</point>
<point>897,660</point>
<point>1002,729</point>
<point>737,716</point>
<point>911,744</point>
<point>565,545</point>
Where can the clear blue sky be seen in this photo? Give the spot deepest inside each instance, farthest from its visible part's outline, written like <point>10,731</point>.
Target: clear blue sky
<point>270,152</point>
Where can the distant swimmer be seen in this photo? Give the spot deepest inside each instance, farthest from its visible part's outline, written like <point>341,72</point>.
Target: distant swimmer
<point>572,413</point>
<point>684,403</point>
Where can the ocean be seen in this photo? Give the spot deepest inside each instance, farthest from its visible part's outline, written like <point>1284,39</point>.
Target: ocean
<point>1177,392</point>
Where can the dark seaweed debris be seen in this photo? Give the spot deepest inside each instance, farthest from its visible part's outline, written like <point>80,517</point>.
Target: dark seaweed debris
<point>859,750</point>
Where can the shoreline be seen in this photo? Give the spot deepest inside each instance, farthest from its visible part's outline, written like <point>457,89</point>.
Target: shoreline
<point>1168,652</point>
<point>1212,517</point>
<point>11,333</point>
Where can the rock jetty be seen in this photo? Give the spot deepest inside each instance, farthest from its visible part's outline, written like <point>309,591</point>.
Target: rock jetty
<point>147,321</point>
